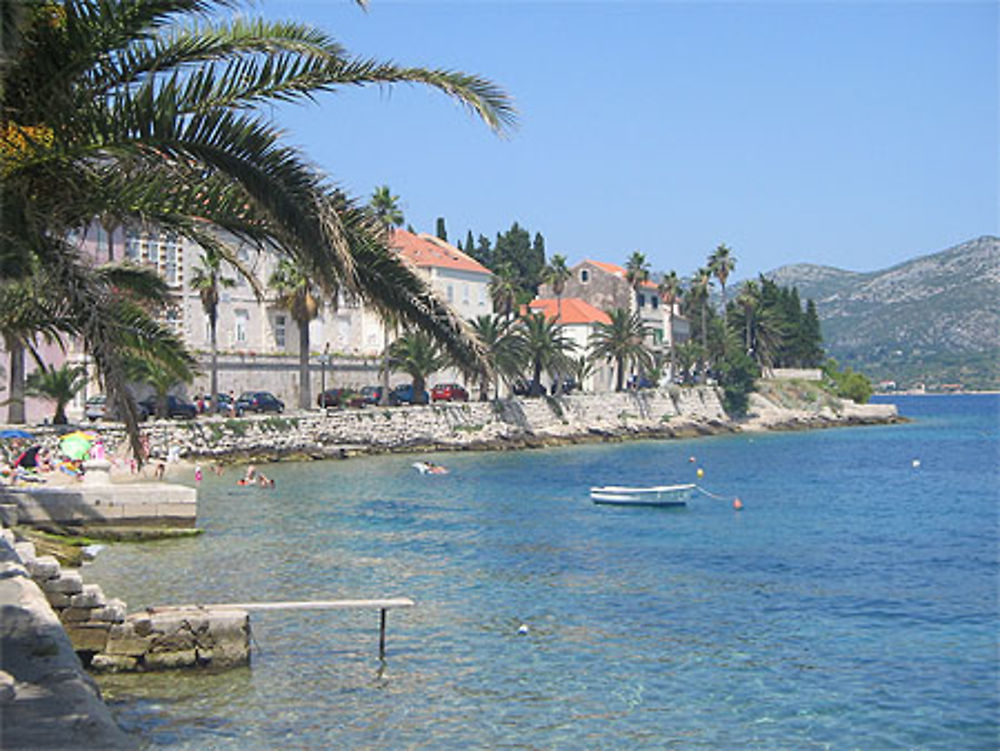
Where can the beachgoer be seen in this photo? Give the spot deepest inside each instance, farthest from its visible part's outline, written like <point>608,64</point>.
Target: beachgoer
<point>160,469</point>
<point>232,403</point>
<point>197,473</point>
<point>251,474</point>
<point>264,481</point>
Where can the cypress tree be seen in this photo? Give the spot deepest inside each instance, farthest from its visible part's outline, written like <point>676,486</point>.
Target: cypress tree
<point>440,231</point>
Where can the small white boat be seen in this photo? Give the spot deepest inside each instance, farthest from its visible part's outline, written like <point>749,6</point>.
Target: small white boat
<point>658,495</point>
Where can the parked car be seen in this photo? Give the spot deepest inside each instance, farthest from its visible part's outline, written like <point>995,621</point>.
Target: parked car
<point>96,408</point>
<point>176,407</point>
<point>339,398</point>
<point>449,392</point>
<point>564,386</point>
<point>371,394</point>
<point>259,401</point>
<point>403,394</point>
<point>640,382</point>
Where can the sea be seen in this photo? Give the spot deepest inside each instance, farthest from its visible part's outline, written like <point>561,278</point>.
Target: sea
<point>852,603</point>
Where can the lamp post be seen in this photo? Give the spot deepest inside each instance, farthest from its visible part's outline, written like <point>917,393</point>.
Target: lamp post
<point>324,360</point>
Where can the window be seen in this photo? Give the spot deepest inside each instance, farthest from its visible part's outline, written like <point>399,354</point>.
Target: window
<point>654,301</point>
<point>465,294</point>
<point>451,293</point>
<point>174,321</point>
<point>584,276</point>
<point>170,259</point>
<point>243,256</point>
<point>133,246</point>
<point>482,296</point>
<point>642,300</point>
<point>242,324</point>
<point>279,331</point>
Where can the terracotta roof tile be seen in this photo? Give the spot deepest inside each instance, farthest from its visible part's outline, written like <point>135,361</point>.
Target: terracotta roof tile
<point>428,251</point>
<point>574,311</point>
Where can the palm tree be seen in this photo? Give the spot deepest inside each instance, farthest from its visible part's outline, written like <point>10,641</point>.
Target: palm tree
<point>748,301</point>
<point>301,297</point>
<point>503,289</point>
<point>689,354</point>
<point>700,286</point>
<point>721,263</point>
<point>545,346</point>
<point>385,206</point>
<point>119,111</point>
<point>59,385</point>
<point>556,274</point>
<point>208,281</point>
<point>670,292</point>
<point>622,340</point>
<point>418,355</point>
<point>636,270</point>
<point>504,352</point>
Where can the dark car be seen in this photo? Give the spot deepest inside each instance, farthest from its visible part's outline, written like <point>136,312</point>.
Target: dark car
<point>175,405</point>
<point>259,401</point>
<point>564,386</point>
<point>339,398</point>
<point>97,408</point>
<point>371,395</point>
<point>404,394</point>
<point>640,382</point>
<point>449,392</point>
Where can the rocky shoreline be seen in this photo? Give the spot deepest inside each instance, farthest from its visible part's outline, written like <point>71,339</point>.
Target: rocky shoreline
<point>503,425</point>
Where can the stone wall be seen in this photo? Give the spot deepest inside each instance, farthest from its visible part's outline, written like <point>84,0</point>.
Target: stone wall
<point>47,701</point>
<point>108,639</point>
<point>504,423</point>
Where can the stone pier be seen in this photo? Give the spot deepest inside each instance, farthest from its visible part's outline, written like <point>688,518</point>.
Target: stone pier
<point>107,638</point>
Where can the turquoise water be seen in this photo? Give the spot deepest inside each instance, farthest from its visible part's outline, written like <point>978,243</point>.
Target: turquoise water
<point>851,604</point>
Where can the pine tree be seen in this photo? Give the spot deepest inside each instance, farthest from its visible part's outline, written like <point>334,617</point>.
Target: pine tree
<point>440,231</point>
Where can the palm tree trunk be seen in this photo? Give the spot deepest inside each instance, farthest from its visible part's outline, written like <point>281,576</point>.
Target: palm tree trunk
<point>704,338</point>
<point>620,379</point>
<point>213,319</point>
<point>305,393</point>
<point>384,398</point>
<point>670,333</point>
<point>15,404</point>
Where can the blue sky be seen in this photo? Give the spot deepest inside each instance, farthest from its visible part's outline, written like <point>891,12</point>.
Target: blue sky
<point>852,134</point>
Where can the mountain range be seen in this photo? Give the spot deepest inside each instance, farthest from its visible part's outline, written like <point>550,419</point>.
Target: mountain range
<point>932,320</point>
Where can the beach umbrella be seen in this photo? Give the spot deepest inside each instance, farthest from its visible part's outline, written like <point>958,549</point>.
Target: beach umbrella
<point>75,445</point>
<point>16,433</point>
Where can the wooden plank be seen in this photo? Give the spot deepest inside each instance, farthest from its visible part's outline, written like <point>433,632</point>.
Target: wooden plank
<point>385,604</point>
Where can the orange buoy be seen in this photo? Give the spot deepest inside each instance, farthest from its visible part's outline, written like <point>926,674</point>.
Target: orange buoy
<point>737,504</point>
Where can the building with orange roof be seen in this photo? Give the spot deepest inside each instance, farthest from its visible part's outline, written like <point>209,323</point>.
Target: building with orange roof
<point>458,278</point>
<point>579,319</point>
<point>605,286</point>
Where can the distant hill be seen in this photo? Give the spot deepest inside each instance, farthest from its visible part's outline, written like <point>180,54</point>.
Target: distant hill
<point>933,320</point>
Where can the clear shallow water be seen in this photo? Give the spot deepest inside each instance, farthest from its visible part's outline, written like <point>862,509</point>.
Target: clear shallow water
<point>851,604</point>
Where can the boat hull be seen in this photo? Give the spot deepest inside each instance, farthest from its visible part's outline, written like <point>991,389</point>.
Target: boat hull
<point>662,496</point>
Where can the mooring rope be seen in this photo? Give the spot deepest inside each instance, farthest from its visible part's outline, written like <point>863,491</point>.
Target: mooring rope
<point>737,503</point>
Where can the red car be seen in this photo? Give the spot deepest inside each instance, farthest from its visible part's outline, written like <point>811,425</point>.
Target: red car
<point>449,392</point>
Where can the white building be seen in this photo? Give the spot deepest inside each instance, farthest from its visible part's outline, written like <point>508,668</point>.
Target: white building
<point>579,320</point>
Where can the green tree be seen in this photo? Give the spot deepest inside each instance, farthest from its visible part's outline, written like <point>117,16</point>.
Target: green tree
<point>208,281</point>
<point>296,292</point>
<point>688,354</point>
<point>846,382</point>
<point>670,293</point>
<point>123,111</point>
<point>416,354</point>
<point>623,341</point>
<point>385,206</point>
<point>60,385</point>
<point>440,231</point>
<point>514,249</point>
<point>504,352</point>
<point>721,263</point>
<point>546,347</point>
<point>636,270</point>
<point>737,375</point>
<point>503,290</point>
<point>556,274</point>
